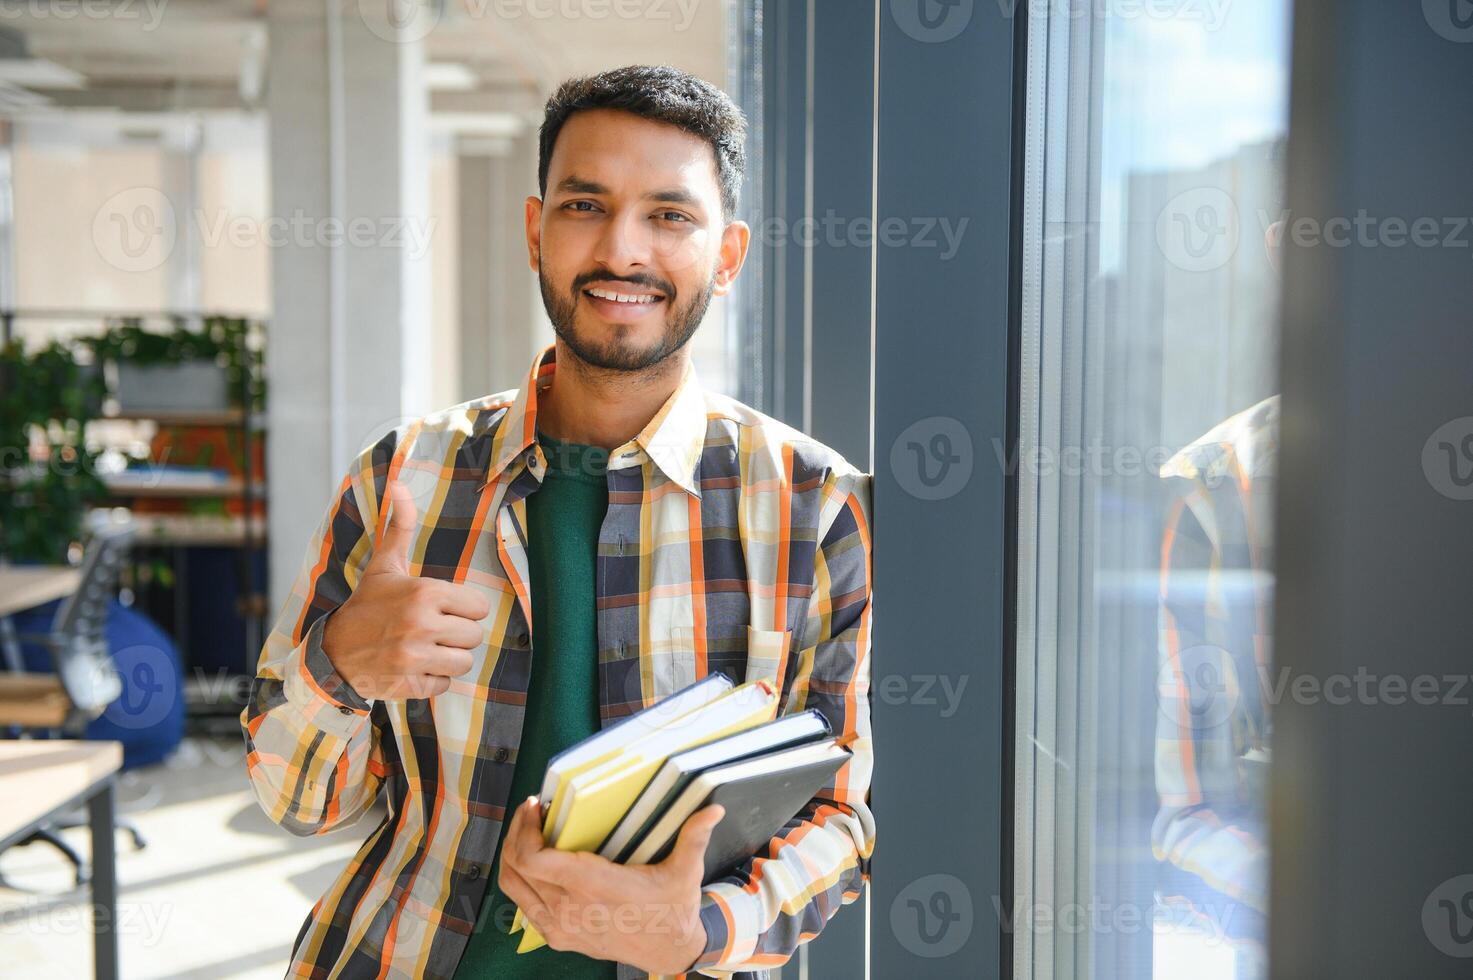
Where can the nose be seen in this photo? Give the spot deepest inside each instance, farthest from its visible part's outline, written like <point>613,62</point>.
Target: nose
<point>625,243</point>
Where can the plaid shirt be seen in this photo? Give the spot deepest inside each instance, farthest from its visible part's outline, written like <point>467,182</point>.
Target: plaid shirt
<point>732,542</point>
<point>1216,655</point>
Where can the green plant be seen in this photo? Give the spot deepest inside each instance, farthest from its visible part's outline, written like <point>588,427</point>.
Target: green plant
<point>48,476</point>
<point>223,339</point>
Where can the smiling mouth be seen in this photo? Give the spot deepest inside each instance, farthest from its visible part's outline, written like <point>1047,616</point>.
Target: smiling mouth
<point>624,298</point>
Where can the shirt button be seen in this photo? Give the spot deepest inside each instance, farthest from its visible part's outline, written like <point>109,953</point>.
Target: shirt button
<point>501,755</point>
<point>475,871</point>
<point>345,709</point>
<point>523,639</point>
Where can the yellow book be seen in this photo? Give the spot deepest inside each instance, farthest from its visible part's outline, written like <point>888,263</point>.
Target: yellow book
<point>607,745</point>
<point>596,799</point>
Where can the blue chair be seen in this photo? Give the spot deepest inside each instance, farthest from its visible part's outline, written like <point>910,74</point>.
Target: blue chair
<point>101,671</point>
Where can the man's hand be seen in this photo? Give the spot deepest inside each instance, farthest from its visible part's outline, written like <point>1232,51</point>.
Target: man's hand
<point>645,915</point>
<point>400,636</point>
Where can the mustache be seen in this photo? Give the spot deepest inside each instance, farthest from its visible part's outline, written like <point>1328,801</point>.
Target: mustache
<point>650,282</point>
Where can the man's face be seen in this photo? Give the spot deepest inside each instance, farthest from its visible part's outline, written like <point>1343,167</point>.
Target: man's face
<point>629,244</point>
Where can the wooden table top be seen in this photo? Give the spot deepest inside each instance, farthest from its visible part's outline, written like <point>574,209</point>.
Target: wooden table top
<point>39,775</point>
<point>24,586</point>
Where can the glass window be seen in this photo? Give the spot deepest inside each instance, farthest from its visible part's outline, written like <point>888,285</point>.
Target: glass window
<point>1148,439</point>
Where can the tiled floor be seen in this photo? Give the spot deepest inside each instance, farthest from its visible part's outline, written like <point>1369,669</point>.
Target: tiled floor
<point>219,891</point>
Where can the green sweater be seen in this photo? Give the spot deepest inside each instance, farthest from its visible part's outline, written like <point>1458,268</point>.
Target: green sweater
<point>563,521</point>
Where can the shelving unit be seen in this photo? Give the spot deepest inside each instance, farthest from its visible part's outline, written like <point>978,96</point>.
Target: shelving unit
<point>212,701</point>
<point>229,416</point>
<point>186,530</point>
<point>219,488</point>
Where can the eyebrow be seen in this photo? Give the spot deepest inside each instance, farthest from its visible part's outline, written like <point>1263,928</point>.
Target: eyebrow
<point>667,195</point>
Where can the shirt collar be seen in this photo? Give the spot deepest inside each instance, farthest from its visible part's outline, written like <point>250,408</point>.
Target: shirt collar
<point>673,439</point>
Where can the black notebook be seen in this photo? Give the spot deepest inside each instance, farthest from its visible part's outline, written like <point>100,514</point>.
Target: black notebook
<point>678,771</point>
<point>760,796</point>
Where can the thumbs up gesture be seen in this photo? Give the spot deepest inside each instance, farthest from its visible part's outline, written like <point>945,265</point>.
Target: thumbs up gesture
<point>399,636</point>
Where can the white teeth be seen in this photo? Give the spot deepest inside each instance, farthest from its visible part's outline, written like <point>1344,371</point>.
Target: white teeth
<point>621,297</point>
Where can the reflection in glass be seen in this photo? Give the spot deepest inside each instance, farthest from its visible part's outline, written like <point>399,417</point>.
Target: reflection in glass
<point>1146,548</point>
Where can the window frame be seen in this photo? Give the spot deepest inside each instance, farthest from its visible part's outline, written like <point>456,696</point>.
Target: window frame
<point>942,785</point>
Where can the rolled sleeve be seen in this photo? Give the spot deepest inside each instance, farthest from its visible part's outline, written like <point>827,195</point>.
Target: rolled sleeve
<point>313,747</point>
<point>758,915</point>
<point>315,688</point>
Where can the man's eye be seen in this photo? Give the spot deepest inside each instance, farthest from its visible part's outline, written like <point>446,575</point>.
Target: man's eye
<point>578,205</point>
<point>673,216</point>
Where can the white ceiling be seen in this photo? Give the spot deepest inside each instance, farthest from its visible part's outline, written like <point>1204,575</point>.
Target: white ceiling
<point>190,56</point>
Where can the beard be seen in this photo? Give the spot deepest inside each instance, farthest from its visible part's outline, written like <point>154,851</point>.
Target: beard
<point>619,353</point>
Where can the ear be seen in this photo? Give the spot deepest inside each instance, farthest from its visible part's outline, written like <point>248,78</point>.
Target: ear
<point>1273,243</point>
<point>534,232</point>
<point>735,238</point>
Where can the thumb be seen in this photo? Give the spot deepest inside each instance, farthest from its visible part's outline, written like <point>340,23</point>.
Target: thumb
<point>690,846</point>
<point>393,550</point>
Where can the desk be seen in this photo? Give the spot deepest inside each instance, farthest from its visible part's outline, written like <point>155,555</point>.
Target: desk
<point>40,779</point>
<point>24,586</point>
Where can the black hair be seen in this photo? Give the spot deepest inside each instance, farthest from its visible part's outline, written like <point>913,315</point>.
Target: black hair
<point>663,94</point>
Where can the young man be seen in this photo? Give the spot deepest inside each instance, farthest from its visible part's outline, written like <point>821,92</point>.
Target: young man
<point>1214,732</point>
<point>497,580</point>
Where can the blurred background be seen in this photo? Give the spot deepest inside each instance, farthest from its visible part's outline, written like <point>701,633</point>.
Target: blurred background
<point>194,333</point>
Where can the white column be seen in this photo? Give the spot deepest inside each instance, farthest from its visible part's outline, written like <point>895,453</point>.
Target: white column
<point>481,269</point>
<point>525,327</point>
<point>347,357</point>
<point>503,322</point>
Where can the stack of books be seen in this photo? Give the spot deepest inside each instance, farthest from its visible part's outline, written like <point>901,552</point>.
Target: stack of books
<point>626,791</point>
